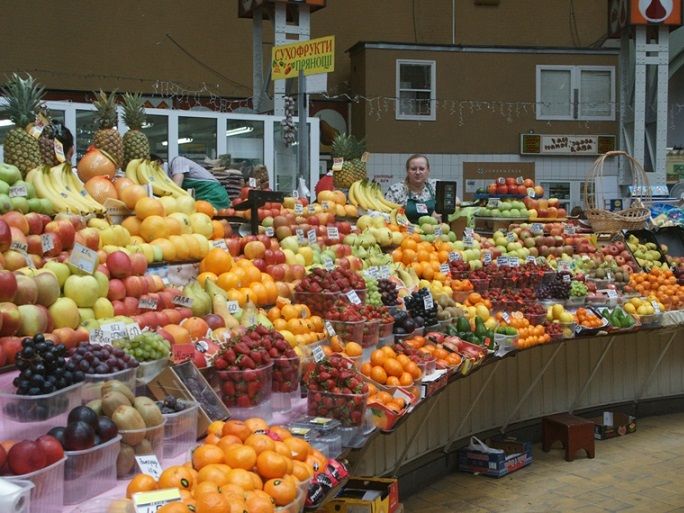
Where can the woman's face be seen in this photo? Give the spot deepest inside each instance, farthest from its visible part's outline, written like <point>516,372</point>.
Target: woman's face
<point>417,172</point>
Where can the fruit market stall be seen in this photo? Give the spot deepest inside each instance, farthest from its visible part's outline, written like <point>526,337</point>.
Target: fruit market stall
<point>146,345</point>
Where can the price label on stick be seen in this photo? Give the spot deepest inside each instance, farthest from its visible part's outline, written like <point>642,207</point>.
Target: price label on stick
<point>513,261</point>
<point>487,257</point>
<point>18,191</point>
<point>428,302</point>
<point>300,235</point>
<point>150,502</point>
<point>506,317</point>
<point>298,209</point>
<point>295,194</point>
<point>611,293</point>
<point>333,233</point>
<point>656,306</point>
<point>502,261</point>
<point>311,236</point>
<point>328,264</point>
<point>19,246</point>
<point>567,278</point>
<point>133,330</point>
<point>252,183</point>
<point>220,244</point>
<point>353,297</point>
<point>438,231</point>
<point>531,193</point>
<point>329,329</point>
<point>444,269</point>
<point>147,303</point>
<point>493,203</point>
<point>468,241</point>
<point>318,354</point>
<point>531,259</point>
<point>149,464</point>
<point>338,162</point>
<point>83,258</point>
<point>233,307</point>
<point>454,256</point>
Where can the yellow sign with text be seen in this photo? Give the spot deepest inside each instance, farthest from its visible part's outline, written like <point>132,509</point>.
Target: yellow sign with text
<point>312,57</point>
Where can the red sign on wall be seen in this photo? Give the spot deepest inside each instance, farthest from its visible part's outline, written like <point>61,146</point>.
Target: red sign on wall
<point>659,12</point>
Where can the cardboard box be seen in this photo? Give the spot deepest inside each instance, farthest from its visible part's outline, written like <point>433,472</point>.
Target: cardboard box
<point>516,455</point>
<point>433,382</point>
<point>184,381</point>
<point>612,424</point>
<point>366,495</point>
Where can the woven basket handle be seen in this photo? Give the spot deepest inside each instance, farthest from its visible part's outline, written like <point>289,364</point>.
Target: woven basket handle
<point>639,177</point>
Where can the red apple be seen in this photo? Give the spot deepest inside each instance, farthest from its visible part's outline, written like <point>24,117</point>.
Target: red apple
<point>8,286</point>
<point>51,447</point>
<point>65,230</point>
<point>17,220</point>
<point>11,346</point>
<point>5,236</point>
<point>119,264</point>
<point>27,290</point>
<point>34,319</point>
<point>26,457</point>
<point>214,321</point>
<point>35,223</point>
<point>117,290</point>
<point>130,305</point>
<point>134,286</point>
<point>233,246</point>
<point>35,245</point>
<point>138,264</point>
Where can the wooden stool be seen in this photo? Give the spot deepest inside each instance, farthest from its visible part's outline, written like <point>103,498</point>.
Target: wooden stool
<point>573,432</point>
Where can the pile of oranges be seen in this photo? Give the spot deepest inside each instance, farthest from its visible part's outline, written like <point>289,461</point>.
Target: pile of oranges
<point>238,469</point>
<point>424,257</point>
<point>295,323</point>
<point>240,278</point>
<point>394,404</point>
<point>388,368</point>
<point>528,334</point>
<point>349,349</point>
<point>660,283</point>
<point>444,359</point>
<point>588,319</point>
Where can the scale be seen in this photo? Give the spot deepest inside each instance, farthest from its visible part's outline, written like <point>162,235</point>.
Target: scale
<point>445,197</point>
<point>255,200</point>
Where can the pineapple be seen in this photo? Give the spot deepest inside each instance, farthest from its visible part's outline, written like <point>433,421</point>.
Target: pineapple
<point>135,143</point>
<point>23,99</point>
<point>107,138</point>
<point>353,169</point>
<point>46,141</point>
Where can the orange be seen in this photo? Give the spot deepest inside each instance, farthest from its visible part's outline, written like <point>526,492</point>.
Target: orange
<point>392,381</point>
<point>413,369</point>
<point>180,335</point>
<point>270,464</point>
<point>378,374</point>
<point>405,380</point>
<point>212,503</point>
<point>273,313</point>
<point>282,432</point>
<point>282,491</point>
<point>132,194</point>
<point>378,357</point>
<point>205,487</point>
<point>240,456</point>
<point>241,478</point>
<point>393,367</point>
<point>283,450</point>
<point>260,443</point>
<point>146,207</point>
<point>388,351</point>
<point>252,275</point>
<point>237,295</point>
<point>301,470</point>
<point>205,455</point>
<point>353,349</point>
<point>289,312</point>
<point>217,261</point>
<point>259,504</point>
<point>298,447</point>
<point>260,295</point>
<point>177,476</point>
<point>173,225</point>
<point>205,207</point>
<point>211,437</point>
<point>215,473</point>
<point>154,227</point>
<point>132,224</point>
<point>366,368</point>
<point>196,326</point>
<point>271,290</point>
<point>206,275</point>
<point>229,280</point>
<point>237,428</point>
<point>232,489</point>
<point>218,231</point>
<point>177,507</point>
<point>141,483</point>
<point>403,360</point>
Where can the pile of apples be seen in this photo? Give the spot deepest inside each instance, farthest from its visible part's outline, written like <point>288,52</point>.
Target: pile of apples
<point>511,186</point>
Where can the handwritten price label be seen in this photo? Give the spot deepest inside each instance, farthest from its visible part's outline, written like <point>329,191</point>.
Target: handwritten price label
<point>531,193</point>
<point>318,354</point>
<point>329,329</point>
<point>311,236</point>
<point>537,228</point>
<point>530,258</point>
<point>506,317</point>
<point>298,209</point>
<point>233,307</point>
<point>513,261</point>
<point>182,301</point>
<point>510,237</point>
<point>150,502</point>
<point>568,229</point>
<point>311,209</point>
<point>18,191</point>
<point>454,256</point>
<point>338,162</point>
<point>19,246</point>
<point>502,261</point>
<point>411,228</point>
<point>428,302</point>
<point>487,257</point>
<point>149,464</point>
<point>384,272</point>
<point>333,233</point>
<point>444,269</point>
<point>656,306</point>
<point>133,330</point>
<point>270,232</point>
<point>83,258</point>
<point>147,303</point>
<point>328,264</point>
<point>421,208</point>
<point>300,235</point>
<point>220,244</point>
<point>353,297</point>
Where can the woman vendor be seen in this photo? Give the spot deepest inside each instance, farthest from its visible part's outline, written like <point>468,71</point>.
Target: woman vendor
<point>190,175</point>
<point>417,191</point>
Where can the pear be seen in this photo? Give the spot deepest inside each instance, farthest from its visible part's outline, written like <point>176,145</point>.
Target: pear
<point>201,302</point>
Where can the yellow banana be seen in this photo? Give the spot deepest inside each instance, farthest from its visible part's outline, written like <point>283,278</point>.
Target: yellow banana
<point>131,170</point>
<point>381,198</point>
<point>162,178</point>
<point>374,203</point>
<point>146,175</point>
<point>39,178</point>
<point>353,199</point>
<point>77,186</point>
<point>60,186</point>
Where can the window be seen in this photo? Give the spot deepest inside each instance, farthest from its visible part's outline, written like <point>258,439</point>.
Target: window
<point>416,90</point>
<point>576,92</point>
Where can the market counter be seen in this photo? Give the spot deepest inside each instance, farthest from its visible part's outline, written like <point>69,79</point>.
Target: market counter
<point>572,375</point>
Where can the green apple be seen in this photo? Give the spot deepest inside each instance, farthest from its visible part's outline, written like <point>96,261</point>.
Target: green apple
<point>86,313</point>
<point>20,204</point>
<point>59,269</point>
<point>4,188</point>
<point>9,173</point>
<point>91,324</point>
<point>103,308</point>
<point>103,283</point>
<point>64,313</point>
<point>84,290</point>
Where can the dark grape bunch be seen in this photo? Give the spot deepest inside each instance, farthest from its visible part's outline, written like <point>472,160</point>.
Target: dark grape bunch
<point>415,305</point>
<point>43,368</point>
<point>555,288</point>
<point>403,323</point>
<point>388,292</point>
<point>171,405</point>
<point>99,359</point>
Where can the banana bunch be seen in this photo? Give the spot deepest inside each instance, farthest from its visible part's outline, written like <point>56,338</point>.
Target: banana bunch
<point>60,185</point>
<point>143,171</point>
<point>368,194</point>
<point>408,276</point>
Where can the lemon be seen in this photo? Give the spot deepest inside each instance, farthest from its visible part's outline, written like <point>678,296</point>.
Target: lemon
<point>482,311</point>
<point>630,308</point>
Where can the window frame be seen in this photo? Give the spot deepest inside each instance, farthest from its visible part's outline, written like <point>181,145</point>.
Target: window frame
<point>575,81</point>
<point>433,90</point>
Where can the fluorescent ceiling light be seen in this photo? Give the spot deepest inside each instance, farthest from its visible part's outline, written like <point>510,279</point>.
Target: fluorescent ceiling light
<point>5,122</point>
<point>147,124</point>
<point>182,140</point>
<point>240,130</point>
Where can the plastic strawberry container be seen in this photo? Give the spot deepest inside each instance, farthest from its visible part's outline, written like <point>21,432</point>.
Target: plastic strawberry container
<point>349,331</point>
<point>138,442</point>
<point>349,409</point>
<point>93,382</point>
<point>16,495</point>
<point>285,383</point>
<point>180,430</point>
<point>318,302</point>
<point>371,333</point>
<point>23,416</point>
<point>385,329</point>
<point>95,466</point>
<point>247,393</point>
<point>47,494</point>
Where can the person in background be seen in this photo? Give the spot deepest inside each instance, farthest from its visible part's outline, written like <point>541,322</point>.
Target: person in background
<point>325,183</point>
<point>417,192</point>
<point>190,175</point>
<point>64,136</point>
<point>260,174</point>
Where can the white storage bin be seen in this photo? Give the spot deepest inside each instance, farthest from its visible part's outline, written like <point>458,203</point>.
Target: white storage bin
<point>90,472</point>
<point>47,494</point>
<point>180,430</point>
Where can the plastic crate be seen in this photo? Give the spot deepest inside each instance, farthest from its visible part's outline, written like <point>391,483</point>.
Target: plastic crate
<point>245,389</point>
<point>349,331</point>
<point>15,497</point>
<point>180,430</point>
<point>23,416</point>
<point>138,442</point>
<point>47,495</point>
<point>349,409</point>
<point>93,382</point>
<point>385,329</point>
<point>90,472</point>
<point>147,371</point>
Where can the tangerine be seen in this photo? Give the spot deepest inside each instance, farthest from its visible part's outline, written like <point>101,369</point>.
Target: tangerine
<point>211,503</point>
<point>282,491</point>
<point>260,443</point>
<point>271,464</point>
<point>141,483</point>
<point>240,456</point>
<point>207,454</point>
<point>217,261</point>
<point>146,207</point>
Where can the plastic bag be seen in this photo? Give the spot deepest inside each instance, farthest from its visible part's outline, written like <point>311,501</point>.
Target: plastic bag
<point>478,445</point>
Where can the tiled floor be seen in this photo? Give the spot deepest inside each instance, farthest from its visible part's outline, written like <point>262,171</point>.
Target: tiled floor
<point>640,472</point>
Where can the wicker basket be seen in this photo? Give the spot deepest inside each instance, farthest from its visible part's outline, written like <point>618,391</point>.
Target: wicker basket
<point>605,221</point>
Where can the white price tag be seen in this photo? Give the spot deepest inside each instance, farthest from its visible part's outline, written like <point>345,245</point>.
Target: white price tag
<point>353,297</point>
<point>149,464</point>
<point>384,272</point>
<point>328,264</point>
<point>438,231</point>
<point>270,232</point>
<point>537,228</point>
<point>487,257</point>
<point>567,278</point>
<point>506,317</point>
<point>421,208</point>
<point>530,258</point>
<point>333,233</point>
<point>329,329</point>
<point>311,209</point>
<point>492,202</point>
<point>468,232</point>
<point>411,228</point>
<point>299,209</point>
<point>300,235</point>
<point>150,502</point>
<point>295,194</point>
<point>611,293</point>
<point>147,303</point>
<point>607,418</point>
<point>371,272</point>
<point>513,261</point>
<point>19,246</point>
<point>18,191</point>
<point>444,269</point>
<point>656,306</point>
<point>569,229</point>
<point>47,243</point>
<point>252,182</point>
<point>428,302</point>
<point>233,307</point>
<point>454,256</point>
<point>318,354</point>
<point>510,237</point>
<point>519,180</point>
<point>468,240</point>
<point>325,205</point>
<point>338,162</point>
<point>531,193</point>
<point>220,244</point>
<point>311,236</point>
<point>182,301</point>
<point>133,330</point>
<point>29,261</point>
<point>83,258</point>
<point>502,261</point>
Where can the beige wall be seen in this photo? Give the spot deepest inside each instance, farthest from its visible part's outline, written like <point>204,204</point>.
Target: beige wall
<point>461,76</point>
<point>84,45</point>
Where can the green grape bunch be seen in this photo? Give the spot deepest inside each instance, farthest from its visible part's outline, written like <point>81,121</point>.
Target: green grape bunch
<point>373,296</point>
<point>145,347</point>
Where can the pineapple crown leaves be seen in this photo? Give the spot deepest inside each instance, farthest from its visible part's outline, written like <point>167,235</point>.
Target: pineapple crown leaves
<point>105,104</point>
<point>133,110</point>
<point>23,99</point>
<point>348,147</point>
